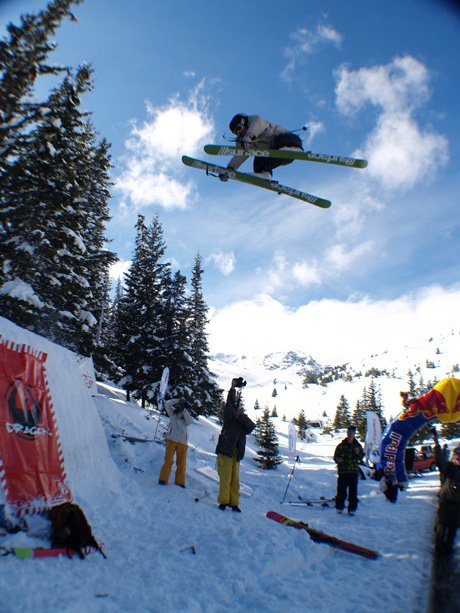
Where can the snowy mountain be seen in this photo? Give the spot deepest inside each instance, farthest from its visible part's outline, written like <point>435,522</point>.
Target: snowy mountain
<point>277,380</point>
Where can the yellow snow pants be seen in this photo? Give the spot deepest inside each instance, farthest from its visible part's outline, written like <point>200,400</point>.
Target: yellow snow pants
<point>229,479</point>
<point>180,449</point>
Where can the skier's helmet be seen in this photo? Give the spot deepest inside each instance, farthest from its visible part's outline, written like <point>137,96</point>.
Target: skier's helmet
<point>239,122</point>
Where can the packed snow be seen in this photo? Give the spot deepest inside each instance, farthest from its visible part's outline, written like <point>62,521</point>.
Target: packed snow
<point>167,552</point>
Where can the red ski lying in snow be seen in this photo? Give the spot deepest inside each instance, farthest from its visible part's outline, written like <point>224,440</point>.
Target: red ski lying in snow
<point>321,537</point>
<point>42,552</point>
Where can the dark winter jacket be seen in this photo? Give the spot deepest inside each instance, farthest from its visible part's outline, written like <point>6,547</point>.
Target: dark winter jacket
<point>450,473</point>
<point>235,428</point>
<point>347,456</point>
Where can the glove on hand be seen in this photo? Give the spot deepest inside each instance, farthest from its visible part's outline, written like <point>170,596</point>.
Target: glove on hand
<point>223,177</point>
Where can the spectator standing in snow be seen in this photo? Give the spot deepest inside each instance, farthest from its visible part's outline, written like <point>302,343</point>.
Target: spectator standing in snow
<point>448,515</point>
<point>231,446</point>
<point>176,442</point>
<point>347,456</point>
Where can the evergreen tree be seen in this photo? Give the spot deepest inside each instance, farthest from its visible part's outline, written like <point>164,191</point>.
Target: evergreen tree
<point>301,423</point>
<point>177,342</point>
<point>23,57</point>
<point>359,417</point>
<point>411,384</point>
<point>108,355</point>
<point>450,430</point>
<point>141,310</point>
<point>54,240</point>
<point>342,417</point>
<point>373,401</point>
<point>206,391</point>
<point>268,456</point>
<point>256,405</point>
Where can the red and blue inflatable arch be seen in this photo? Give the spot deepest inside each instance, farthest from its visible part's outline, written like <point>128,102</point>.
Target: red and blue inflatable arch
<point>441,403</point>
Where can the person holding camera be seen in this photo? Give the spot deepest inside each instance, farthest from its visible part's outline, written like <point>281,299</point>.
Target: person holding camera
<point>176,442</point>
<point>231,446</point>
<point>448,515</point>
<point>347,456</point>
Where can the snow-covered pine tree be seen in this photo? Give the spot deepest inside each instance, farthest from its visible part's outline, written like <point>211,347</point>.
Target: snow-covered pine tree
<point>267,454</point>
<point>23,57</point>
<point>140,311</point>
<point>206,390</point>
<point>176,346</point>
<point>50,254</point>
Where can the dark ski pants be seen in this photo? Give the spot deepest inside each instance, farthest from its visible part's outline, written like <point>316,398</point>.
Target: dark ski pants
<point>447,522</point>
<point>281,140</point>
<point>347,486</point>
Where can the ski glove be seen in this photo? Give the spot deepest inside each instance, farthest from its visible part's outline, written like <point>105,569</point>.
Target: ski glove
<point>223,177</point>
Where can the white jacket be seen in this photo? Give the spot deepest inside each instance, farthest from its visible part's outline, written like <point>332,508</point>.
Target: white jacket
<point>260,135</point>
<point>178,425</point>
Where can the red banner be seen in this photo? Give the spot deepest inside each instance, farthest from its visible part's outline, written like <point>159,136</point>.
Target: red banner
<point>31,464</point>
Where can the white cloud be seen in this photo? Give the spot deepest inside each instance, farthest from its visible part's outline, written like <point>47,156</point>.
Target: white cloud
<point>119,269</point>
<point>277,272</point>
<point>307,42</point>
<point>314,128</point>
<point>225,262</point>
<point>152,166</point>
<point>341,256</point>
<point>307,273</point>
<point>399,151</point>
<point>331,330</point>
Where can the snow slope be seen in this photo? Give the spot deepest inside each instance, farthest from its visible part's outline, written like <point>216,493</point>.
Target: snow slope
<point>167,552</point>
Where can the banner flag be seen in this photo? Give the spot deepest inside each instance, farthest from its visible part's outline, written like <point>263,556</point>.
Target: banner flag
<point>373,438</point>
<point>32,470</point>
<point>292,441</point>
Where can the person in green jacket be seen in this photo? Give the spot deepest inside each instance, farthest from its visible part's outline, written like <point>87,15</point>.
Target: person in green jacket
<point>347,456</point>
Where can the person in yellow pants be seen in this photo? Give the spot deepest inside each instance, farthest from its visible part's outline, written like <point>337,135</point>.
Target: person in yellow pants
<point>176,442</point>
<point>228,470</point>
<point>231,446</point>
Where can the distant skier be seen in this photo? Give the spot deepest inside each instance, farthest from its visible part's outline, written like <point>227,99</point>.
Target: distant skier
<point>448,516</point>
<point>254,132</point>
<point>347,456</point>
<point>231,446</point>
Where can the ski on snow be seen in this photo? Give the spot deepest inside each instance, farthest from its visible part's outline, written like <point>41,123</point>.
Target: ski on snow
<point>312,502</point>
<point>274,186</point>
<point>307,156</point>
<point>321,537</point>
<point>27,553</point>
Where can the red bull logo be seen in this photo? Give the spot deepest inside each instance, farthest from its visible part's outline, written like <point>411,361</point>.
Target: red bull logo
<point>430,405</point>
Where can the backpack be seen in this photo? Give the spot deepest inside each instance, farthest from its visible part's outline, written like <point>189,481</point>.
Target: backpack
<point>70,529</point>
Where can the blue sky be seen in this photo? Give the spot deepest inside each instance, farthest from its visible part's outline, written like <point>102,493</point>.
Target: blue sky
<point>375,79</point>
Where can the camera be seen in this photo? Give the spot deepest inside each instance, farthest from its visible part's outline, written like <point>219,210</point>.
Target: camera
<point>239,382</point>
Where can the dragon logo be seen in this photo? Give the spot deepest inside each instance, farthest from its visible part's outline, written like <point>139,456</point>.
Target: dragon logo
<point>24,409</point>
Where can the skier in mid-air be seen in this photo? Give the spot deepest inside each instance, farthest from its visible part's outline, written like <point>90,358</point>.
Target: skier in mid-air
<point>254,132</point>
